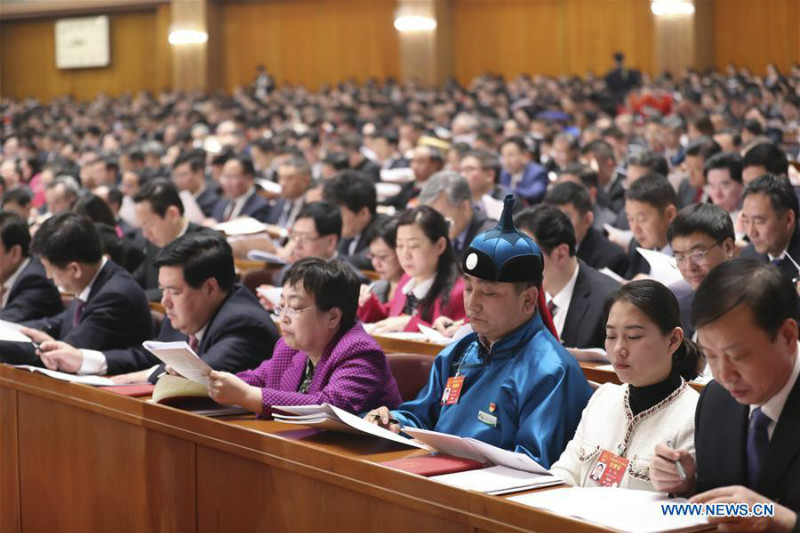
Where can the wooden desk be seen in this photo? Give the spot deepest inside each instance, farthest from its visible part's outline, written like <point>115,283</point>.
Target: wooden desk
<point>74,458</point>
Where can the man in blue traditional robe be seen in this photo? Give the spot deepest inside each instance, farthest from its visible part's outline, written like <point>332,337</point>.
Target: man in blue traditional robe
<point>510,383</point>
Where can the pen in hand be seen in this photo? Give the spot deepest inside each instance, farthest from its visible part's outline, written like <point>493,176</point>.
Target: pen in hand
<point>376,417</point>
<point>678,465</point>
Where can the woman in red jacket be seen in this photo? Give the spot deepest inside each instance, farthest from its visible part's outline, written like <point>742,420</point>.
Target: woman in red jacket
<point>431,285</point>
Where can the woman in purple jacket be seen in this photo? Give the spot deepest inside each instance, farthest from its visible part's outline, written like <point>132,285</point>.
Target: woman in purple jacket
<point>325,356</point>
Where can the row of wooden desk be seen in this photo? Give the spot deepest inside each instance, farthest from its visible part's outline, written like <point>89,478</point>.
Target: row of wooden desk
<point>74,458</point>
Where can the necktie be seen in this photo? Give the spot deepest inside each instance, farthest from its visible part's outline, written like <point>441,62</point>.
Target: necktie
<point>193,343</point>
<point>76,319</point>
<point>551,306</point>
<point>283,221</point>
<point>228,211</point>
<point>777,262</point>
<point>757,446</point>
<point>411,304</point>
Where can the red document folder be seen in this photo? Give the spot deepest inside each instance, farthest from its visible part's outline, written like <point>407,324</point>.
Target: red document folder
<point>434,465</point>
<point>140,389</point>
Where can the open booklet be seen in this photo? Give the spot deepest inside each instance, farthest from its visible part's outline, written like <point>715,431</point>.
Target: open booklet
<point>633,511</point>
<point>327,416</point>
<point>94,381</point>
<point>181,358</point>
<point>267,257</point>
<point>506,471</point>
<point>10,332</point>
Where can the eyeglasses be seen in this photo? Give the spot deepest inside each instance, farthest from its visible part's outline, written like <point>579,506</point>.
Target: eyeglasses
<point>303,238</point>
<point>695,258</point>
<point>289,312</point>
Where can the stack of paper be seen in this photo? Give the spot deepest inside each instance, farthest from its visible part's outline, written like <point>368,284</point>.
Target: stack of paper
<point>327,416</point>
<point>94,381</point>
<point>634,511</point>
<point>241,226</point>
<point>181,358</point>
<point>661,268</point>
<point>512,472</point>
<point>260,255</point>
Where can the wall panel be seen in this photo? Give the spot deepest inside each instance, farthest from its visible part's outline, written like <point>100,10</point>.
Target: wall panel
<point>553,37</point>
<point>28,69</point>
<point>752,33</point>
<point>309,42</point>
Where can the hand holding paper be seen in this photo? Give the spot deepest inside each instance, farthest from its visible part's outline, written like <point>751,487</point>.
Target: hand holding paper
<point>181,358</point>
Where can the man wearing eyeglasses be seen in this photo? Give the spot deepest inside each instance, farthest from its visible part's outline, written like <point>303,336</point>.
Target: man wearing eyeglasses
<point>701,237</point>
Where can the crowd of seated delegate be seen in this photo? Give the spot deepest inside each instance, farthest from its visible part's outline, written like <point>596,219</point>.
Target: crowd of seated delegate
<point>703,182</point>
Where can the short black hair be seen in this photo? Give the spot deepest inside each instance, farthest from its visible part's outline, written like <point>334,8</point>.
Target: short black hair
<point>68,237</point>
<point>549,225</point>
<point>570,192</point>
<point>767,155</point>
<point>351,189</point>
<point>653,189</point>
<point>195,160</point>
<point>111,243</point>
<point>331,283</point>
<point>385,230</point>
<point>704,147</point>
<point>14,231</point>
<point>650,160</point>
<point>702,218</point>
<point>779,190</point>
<point>585,173</point>
<point>18,196</point>
<point>729,161</point>
<point>115,197</point>
<point>517,140</point>
<point>96,209</point>
<point>327,218</point>
<point>337,161</point>
<point>201,255</point>
<point>162,194</point>
<point>600,149</point>
<point>768,292</point>
<point>246,163</point>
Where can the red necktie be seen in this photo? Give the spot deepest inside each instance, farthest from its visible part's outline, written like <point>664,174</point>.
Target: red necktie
<point>193,343</point>
<point>76,319</point>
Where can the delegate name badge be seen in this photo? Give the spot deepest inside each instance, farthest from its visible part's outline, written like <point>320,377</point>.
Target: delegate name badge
<point>609,469</point>
<point>452,390</point>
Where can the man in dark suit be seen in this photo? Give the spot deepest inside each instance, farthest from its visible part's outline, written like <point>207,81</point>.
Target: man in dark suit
<point>621,79</point>
<point>26,294</point>
<point>576,293</point>
<point>188,174</point>
<point>354,194</point>
<point>746,424</point>
<point>109,310</point>
<point>692,189</point>
<point>650,204</point>
<point>351,145</point>
<point>770,216</point>
<point>426,161</point>
<point>701,237</point>
<point>592,247</point>
<point>159,210</point>
<point>523,177</point>
<point>600,154</point>
<point>448,192</point>
<point>241,198</point>
<point>220,320</point>
<point>294,177</point>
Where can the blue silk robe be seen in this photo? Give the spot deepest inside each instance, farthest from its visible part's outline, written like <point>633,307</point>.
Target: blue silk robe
<point>529,382</point>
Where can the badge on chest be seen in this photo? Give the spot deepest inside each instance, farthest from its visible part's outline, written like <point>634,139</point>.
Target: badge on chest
<point>609,469</point>
<point>452,390</point>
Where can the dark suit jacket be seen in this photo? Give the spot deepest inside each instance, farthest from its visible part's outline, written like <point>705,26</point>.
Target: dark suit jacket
<point>685,296</point>
<point>637,264</point>
<point>255,207</point>
<point>407,192</point>
<point>786,266</point>
<point>687,194</point>
<point>276,208</point>
<point>598,252</point>
<point>147,273</point>
<point>359,257</point>
<point>207,201</point>
<point>370,168</point>
<point>614,199</point>
<point>584,326</point>
<point>721,426</point>
<point>116,315</point>
<point>239,336</point>
<point>477,225</point>
<point>533,184</point>
<point>32,296</point>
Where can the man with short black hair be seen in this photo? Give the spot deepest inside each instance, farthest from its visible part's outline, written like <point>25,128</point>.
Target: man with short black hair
<point>746,439</point>
<point>18,201</point>
<point>219,319</point>
<point>159,210</point>
<point>770,219</point>
<point>294,177</point>
<point>591,245</point>
<point>241,198</point>
<point>425,162</point>
<point>26,293</point>
<point>650,206</point>
<point>521,175</point>
<point>188,174</point>
<point>692,189</point>
<point>109,310</point>
<point>355,195</point>
<point>723,173</point>
<point>600,156</point>
<point>576,293</point>
<point>764,158</point>
<point>351,145</point>
<point>701,237</point>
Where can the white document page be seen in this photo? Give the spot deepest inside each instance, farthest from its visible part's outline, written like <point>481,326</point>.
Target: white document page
<point>634,511</point>
<point>507,458</point>
<point>447,444</point>
<point>497,480</point>
<point>241,226</point>
<point>10,332</point>
<point>260,255</point>
<point>433,336</point>
<point>94,381</point>
<point>660,268</point>
<point>181,358</point>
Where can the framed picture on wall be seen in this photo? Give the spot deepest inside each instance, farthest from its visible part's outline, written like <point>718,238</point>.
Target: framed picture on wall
<point>83,42</point>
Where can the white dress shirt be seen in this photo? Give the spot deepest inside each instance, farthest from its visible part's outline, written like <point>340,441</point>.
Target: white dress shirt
<point>562,300</point>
